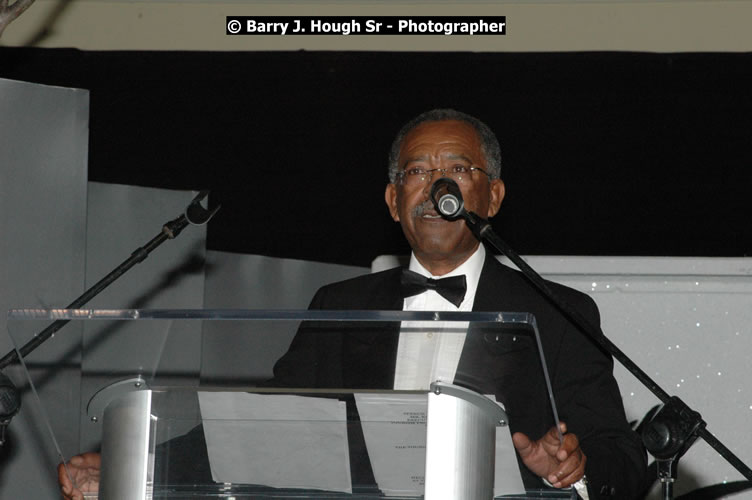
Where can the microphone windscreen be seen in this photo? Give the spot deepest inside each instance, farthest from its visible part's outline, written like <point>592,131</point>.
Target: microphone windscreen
<point>447,198</point>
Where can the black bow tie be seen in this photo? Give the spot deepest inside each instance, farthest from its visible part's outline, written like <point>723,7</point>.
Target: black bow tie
<point>453,289</point>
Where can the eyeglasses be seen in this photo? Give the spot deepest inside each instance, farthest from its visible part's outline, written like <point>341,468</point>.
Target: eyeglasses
<point>415,176</point>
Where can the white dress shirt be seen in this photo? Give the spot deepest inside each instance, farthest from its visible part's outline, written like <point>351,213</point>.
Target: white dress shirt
<point>430,350</point>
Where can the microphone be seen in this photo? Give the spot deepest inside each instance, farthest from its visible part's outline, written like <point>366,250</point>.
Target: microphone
<point>10,403</point>
<point>447,198</point>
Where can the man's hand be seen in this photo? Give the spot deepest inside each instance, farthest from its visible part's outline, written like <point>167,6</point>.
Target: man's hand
<point>561,464</point>
<point>84,470</point>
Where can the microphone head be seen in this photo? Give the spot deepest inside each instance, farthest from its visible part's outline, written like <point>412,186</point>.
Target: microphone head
<point>448,205</point>
<point>447,198</point>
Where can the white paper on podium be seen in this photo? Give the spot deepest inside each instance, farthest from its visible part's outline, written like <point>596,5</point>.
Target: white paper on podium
<point>276,440</point>
<point>394,428</point>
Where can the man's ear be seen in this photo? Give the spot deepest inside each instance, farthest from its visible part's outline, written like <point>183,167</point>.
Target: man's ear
<point>390,196</point>
<point>498,190</point>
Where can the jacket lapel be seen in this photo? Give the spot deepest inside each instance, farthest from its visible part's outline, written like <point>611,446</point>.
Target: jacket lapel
<point>493,288</point>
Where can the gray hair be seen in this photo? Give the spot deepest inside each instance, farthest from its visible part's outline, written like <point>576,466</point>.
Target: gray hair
<point>489,144</point>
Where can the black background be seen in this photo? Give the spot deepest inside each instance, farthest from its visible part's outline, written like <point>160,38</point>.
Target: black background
<point>602,153</point>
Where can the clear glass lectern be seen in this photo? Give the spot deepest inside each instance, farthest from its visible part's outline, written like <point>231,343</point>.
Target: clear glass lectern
<point>327,425</point>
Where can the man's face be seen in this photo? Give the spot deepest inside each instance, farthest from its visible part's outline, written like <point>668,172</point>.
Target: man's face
<point>438,244</point>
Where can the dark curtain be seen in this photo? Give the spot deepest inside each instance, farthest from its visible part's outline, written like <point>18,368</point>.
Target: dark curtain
<point>602,153</point>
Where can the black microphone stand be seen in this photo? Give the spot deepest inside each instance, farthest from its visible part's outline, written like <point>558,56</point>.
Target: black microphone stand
<point>10,401</point>
<point>675,427</point>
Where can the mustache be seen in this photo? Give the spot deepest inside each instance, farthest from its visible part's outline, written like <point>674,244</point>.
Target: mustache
<point>423,208</point>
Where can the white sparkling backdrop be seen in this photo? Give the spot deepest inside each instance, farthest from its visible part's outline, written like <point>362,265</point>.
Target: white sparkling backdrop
<point>688,324</point>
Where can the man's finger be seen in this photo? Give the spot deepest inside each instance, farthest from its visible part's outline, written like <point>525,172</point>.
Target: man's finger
<point>522,444</point>
<point>570,445</point>
<point>550,441</point>
<point>569,472</point>
<point>63,479</point>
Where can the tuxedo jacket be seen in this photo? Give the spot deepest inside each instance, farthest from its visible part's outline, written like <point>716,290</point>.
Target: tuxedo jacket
<point>586,393</point>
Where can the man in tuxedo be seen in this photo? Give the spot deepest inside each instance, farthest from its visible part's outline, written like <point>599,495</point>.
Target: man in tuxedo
<point>599,453</point>
<point>599,448</point>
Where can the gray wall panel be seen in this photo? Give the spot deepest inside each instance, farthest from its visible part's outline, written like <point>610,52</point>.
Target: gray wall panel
<point>43,167</point>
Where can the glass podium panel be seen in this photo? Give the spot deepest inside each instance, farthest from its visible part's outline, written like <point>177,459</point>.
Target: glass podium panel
<point>328,424</point>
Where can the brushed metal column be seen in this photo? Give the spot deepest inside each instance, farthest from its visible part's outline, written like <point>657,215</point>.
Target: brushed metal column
<point>460,443</point>
<point>125,447</point>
